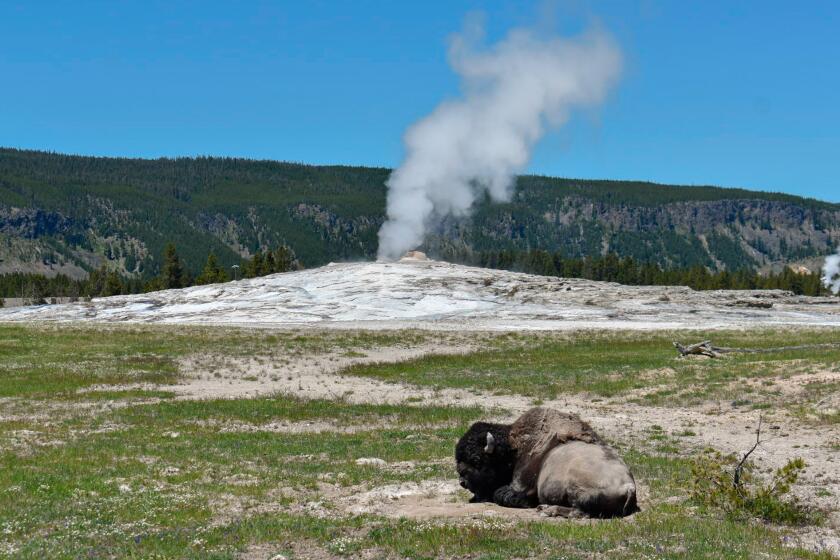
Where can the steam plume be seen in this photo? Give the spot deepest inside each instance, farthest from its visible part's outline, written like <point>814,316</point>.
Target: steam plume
<point>512,92</point>
<point>831,273</point>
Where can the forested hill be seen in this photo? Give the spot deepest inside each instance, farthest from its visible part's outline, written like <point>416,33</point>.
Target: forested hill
<point>70,214</point>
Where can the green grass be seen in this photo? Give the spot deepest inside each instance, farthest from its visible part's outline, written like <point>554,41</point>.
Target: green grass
<point>38,363</point>
<point>263,410</point>
<point>63,512</point>
<point>610,364</point>
<point>544,368</point>
<point>149,489</point>
<point>160,469</point>
<point>57,361</point>
<point>157,477</point>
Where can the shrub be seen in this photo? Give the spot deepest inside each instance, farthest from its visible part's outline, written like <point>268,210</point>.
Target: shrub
<point>724,482</point>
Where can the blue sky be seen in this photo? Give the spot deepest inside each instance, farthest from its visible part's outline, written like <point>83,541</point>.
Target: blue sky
<point>713,92</point>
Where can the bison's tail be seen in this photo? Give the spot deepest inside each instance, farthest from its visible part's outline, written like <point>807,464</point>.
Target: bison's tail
<point>630,505</point>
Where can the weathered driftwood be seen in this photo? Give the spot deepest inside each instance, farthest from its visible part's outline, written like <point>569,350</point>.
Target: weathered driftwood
<point>706,348</point>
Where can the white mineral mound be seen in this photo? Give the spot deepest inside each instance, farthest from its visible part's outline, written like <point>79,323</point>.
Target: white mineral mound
<point>430,294</point>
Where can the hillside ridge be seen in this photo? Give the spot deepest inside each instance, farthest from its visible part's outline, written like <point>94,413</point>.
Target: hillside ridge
<point>70,214</point>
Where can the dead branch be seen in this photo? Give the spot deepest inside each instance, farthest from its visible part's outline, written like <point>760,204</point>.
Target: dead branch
<point>736,478</point>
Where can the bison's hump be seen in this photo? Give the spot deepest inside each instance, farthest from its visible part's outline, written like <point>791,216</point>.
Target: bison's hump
<point>541,429</point>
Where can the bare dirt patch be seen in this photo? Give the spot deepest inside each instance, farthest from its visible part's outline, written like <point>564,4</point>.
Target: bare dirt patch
<point>310,377</point>
<point>426,500</point>
<point>434,499</point>
<point>302,427</point>
<point>796,383</point>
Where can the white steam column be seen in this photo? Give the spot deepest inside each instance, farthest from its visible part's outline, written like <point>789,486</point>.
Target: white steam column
<point>513,92</point>
<point>831,273</point>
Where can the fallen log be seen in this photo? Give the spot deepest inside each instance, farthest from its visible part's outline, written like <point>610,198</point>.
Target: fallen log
<point>706,348</point>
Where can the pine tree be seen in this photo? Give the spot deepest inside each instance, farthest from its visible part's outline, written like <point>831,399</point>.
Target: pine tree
<point>130,261</point>
<point>172,274</point>
<point>284,259</point>
<point>255,265</point>
<point>609,267</point>
<point>153,285</point>
<point>268,265</point>
<point>113,285</point>
<point>96,281</point>
<point>540,262</point>
<point>213,273</point>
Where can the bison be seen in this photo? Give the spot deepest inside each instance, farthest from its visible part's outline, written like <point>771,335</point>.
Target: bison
<point>547,459</point>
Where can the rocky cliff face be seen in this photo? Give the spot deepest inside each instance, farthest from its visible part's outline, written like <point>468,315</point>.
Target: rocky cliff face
<point>32,223</point>
<point>731,234</point>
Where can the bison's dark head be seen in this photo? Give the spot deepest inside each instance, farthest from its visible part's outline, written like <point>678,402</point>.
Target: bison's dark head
<point>485,459</point>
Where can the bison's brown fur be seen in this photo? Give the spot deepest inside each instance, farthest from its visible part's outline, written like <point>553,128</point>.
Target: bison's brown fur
<point>559,461</point>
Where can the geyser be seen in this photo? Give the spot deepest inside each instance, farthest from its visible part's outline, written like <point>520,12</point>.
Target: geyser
<point>513,92</point>
<point>831,272</point>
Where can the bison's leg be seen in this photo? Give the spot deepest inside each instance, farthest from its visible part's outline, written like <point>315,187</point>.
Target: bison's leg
<point>560,511</point>
<point>507,496</point>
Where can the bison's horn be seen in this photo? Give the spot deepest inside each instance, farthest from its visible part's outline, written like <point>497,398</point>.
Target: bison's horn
<point>491,443</point>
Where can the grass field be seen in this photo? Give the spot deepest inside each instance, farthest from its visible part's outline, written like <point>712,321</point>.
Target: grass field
<point>101,456</point>
<point>608,365</point>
